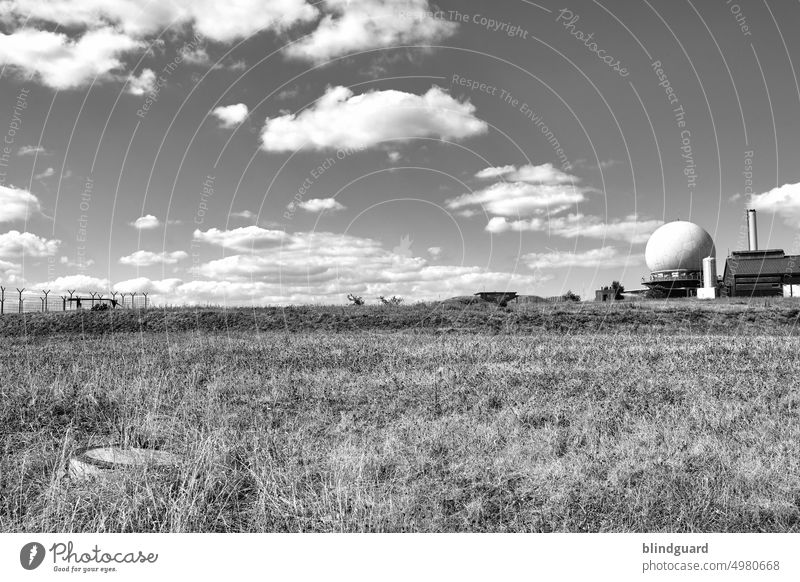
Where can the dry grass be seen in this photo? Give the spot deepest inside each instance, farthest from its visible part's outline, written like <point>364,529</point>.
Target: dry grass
<point>412,431</point>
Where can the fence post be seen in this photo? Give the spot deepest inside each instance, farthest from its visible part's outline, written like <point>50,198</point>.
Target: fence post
<point>44,304</point>
<point>133,300</point>
<point>70,295</point>
<point>20,297</point>
<point>145,300</point>
<point>92,294</point>
<point>63,303</point>
<point>2,300</point>
<point>113,300</point>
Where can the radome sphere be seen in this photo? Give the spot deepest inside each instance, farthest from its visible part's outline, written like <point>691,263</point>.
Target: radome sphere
<point>678,245</point>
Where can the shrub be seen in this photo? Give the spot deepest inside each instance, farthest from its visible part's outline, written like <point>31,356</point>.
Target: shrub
<point>393,300</point>
<point>355,299</point>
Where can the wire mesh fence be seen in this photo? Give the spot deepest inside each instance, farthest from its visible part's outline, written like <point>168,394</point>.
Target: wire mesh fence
<point>16,300</point>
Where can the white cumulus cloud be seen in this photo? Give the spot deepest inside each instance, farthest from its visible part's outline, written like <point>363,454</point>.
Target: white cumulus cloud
<point>17,244</point>
<point>356,25</point>
<point>321,204</point>
<point>144,83</point>
<point>629,228</point>
<point>61,62</point>
<point>79,283</point>
<point>542,174</point>
<point>341,119</point>
<point>512,199</point>
<point>324,267</point>
<point>231,115</point>
<point>145,285</point>
<point>531,192</point>
<point>147,222</point>
<point>242,239</point>
<point>148,258</point>
<point>212,19</point>
<point>17,204</point>
<point>783,201</point>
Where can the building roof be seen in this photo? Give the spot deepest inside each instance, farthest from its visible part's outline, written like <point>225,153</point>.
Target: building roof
<point>769,262</point>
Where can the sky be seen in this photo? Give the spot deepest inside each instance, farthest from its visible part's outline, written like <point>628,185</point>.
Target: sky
<point>255,152</point>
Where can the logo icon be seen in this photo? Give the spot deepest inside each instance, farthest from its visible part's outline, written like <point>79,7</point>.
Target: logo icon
<point>31,555</point>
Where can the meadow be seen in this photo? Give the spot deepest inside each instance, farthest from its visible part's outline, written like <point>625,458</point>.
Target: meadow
<point>660,416</point>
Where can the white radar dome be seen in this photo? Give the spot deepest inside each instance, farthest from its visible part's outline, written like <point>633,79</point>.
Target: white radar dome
<point>678,245</point>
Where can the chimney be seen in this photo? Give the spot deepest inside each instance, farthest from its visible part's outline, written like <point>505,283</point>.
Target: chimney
<point>752,236</point>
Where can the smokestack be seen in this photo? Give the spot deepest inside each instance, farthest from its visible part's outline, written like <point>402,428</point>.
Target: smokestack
<point>752,237</point>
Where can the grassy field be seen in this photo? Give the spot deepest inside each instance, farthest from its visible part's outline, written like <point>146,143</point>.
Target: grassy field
<point>670,416</point>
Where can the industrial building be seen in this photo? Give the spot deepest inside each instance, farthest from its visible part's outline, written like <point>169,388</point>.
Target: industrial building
<point>674,255</point>
<point>760,273</point>
<point>682,263</point>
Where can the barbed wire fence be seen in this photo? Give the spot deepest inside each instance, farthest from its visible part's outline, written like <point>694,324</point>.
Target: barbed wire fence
<point>22,300</point>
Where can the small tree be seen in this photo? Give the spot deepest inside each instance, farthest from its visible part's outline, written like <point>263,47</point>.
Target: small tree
<point>394,300</point>
<point>618,289</point>
<point>570,296</point>
<point>355,299</point>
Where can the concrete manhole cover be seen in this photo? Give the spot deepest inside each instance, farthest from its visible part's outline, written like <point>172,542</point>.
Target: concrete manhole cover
<point>98,461</point>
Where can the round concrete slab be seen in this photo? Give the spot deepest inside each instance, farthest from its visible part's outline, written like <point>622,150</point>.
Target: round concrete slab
<point>98,461</point>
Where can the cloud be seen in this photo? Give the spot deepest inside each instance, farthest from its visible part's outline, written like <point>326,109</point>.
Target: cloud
<point>324,267</point>
<point>320,205</point>
<point>81,263</point>
<point>145,285</point>
<point>542,174</point>
<point>783,201</point>
<point>48,173</point>
<point>147,258</point>
<point>435,252</point>
<point>144,83</point>
<point>10,272</point>
<point>32,151</point>
<point>525,191</point>
<point>340,119</point>
<point>15,244</point>
<point>603,257</point>
<point>17,204</point>
<point>147,222</point>
<point>629,229</point>
<point>512,199</point>
<point>195,56</point>
<point>79,283</point>
<point>246,214</point>
<point>357,25</point>
<point>231,115</point>
<point>242,239</point>
<point>61,62</point>
<point>217,21</point>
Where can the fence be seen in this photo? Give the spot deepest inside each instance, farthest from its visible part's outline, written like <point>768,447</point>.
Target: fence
<point>22,301</point>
